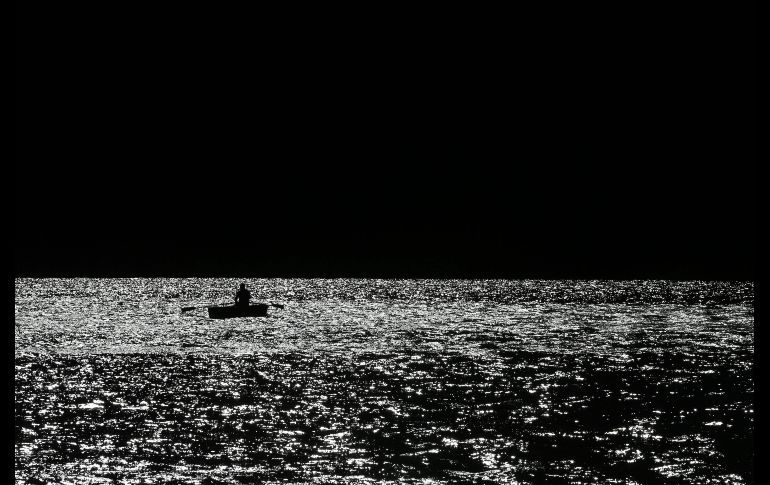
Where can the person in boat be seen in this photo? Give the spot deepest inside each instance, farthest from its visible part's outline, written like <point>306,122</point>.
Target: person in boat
<point>242,296</point>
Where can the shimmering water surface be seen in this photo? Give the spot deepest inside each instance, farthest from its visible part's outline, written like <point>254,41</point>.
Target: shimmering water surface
<point>402,381</point>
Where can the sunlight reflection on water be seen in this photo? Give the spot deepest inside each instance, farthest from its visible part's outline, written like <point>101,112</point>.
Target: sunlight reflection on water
<point>361,380</point>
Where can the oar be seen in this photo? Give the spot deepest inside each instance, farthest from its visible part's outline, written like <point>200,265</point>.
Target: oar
<point>189,308</point>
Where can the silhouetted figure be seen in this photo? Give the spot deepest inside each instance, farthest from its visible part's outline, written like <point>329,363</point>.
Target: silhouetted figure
<point>242,296</point>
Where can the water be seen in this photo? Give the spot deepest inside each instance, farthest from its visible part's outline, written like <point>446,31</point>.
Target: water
<point>358,381</point>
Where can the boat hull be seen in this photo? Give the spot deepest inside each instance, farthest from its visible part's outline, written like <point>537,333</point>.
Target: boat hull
<point>220,312</point>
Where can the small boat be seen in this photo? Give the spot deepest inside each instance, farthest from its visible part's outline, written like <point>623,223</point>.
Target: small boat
<point>232,311</point>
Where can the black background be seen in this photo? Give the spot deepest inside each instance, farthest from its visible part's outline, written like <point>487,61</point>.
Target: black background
<point>590,142</point>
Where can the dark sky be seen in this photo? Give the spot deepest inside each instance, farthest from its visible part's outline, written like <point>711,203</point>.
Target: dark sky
<point>617,142</point>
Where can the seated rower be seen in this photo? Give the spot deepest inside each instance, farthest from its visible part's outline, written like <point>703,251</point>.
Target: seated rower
<point>242,296</point>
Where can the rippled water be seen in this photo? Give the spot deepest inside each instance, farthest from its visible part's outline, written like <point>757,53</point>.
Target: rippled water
<point>385,380</point>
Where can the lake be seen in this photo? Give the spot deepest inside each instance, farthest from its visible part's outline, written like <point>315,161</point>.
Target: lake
<point>372,381</point>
